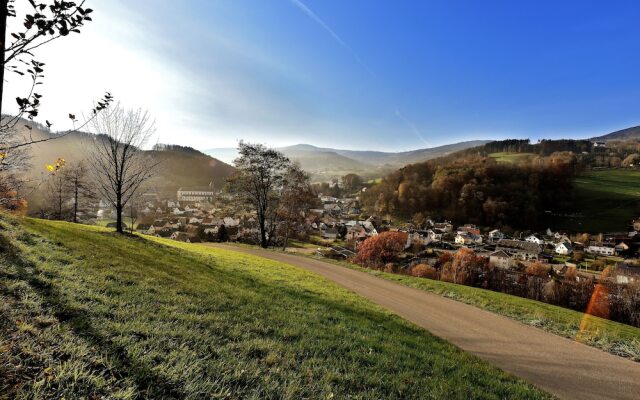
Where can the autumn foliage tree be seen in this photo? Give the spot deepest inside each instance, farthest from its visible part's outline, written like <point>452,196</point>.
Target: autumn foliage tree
<point>464,264</point>
<point>381,249</point>
<point>424,271</point>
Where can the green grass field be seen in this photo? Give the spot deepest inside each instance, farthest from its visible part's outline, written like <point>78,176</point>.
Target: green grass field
<point>610,336</point>
<point>505,157</point>
<point>85,313</point>
<point>608,200</point>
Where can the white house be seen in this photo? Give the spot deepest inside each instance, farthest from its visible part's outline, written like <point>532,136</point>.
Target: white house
<point>196,193</point>
<point>600,249</point>
<point>468,238</point>
<point>564,248</point>
<point>500,259</point>
<point>495,235</point>
<point>435,234</point>
<point>534,239</point>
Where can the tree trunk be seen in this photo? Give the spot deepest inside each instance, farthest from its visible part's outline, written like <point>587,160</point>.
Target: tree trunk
<point>119,209</point>
<point>263,233</point>
<point>119,218</point>
<point>3,34</point>
<point>75,204</point>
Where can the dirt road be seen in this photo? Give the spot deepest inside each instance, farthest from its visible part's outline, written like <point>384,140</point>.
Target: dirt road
<point>560,366</point>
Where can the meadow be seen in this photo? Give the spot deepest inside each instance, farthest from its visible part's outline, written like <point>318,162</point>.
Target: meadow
<point>607,200</point>
<point>86,313</point>
<point>508,157</point>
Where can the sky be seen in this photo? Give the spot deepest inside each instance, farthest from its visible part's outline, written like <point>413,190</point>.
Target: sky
<point>358,74</point>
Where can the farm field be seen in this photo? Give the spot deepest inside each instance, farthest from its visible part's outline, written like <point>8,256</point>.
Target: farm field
<point>607,200</point>
<point>87,313</point>
<point>505,157</point>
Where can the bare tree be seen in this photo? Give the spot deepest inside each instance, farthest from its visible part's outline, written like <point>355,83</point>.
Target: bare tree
<point>57,197</point>
<point>258,182</point>
<point>79,185</point>
<point>119,164</point>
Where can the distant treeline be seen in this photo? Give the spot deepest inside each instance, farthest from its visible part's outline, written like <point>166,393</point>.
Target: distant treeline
<point>543,147</point>
<point>177,148</point>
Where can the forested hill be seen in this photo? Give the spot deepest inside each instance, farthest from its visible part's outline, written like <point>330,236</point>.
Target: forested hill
<point>510,183</point>
<point>476,190</point>
<point>632,133</point>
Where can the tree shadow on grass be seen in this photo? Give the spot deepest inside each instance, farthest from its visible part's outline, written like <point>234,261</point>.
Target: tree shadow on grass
<point>149,384</point>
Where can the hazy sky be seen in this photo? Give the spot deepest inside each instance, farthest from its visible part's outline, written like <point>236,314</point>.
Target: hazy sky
<point>366,74</point>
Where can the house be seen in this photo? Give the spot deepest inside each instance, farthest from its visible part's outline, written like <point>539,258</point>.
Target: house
<point>435,234</point>
<point>330,233</point>
<point>599,144</point>
<point>520,249</point>
<point>332,208</point>
<point>469,228</point>
<point>600,249</point>
<point>621,247</point>
<point>534,239</point>
<point>143,227</point>
<point>446,227</point>
<point>420,238</point>
<point>196,193</point>
<point>468,238</point>
<point>564,248</point>
<point>500,259</point>
<point>625,274</point>
<point>178,211</point>
<point>228,221</point>
<point>495,235</point>
<point>356,232</point>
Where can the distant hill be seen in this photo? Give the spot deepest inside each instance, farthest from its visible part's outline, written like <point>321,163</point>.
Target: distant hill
<point>632,133</point>
<point>325,163</point>
<point>180,166</point>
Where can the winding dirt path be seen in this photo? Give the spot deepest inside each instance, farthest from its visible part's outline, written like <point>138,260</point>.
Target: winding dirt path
<point>563,367</point>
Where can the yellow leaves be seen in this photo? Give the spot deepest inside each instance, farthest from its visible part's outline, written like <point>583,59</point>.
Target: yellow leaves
<point>57,166</point>
<point>3,155</point>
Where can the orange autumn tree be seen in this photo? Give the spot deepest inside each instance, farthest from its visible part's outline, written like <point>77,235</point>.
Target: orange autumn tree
<point>381,249</point>
<point>461,266</point>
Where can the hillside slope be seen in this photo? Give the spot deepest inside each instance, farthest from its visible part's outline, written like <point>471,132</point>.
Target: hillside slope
<point>93,314</point>
<point>178,167</point>
<point>326,163</point>
<point>632,133</point>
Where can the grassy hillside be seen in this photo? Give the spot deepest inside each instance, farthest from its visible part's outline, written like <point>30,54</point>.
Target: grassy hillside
<point>507,157</point>
<point>86,313</point>
<point>607,199</point>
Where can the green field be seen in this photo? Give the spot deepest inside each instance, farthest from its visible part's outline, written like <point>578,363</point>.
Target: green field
<point>608,200</point>
<point>505,157</point>
<point>86,313</point>
<point>613,337</point>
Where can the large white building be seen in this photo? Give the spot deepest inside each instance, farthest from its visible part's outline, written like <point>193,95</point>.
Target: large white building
<point>203,194</point>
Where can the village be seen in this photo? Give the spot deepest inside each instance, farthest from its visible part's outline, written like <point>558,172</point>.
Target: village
<point>337,226</point>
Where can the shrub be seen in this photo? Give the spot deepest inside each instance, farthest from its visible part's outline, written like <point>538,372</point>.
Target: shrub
<point>424,271</point>
<point>381,249</point>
